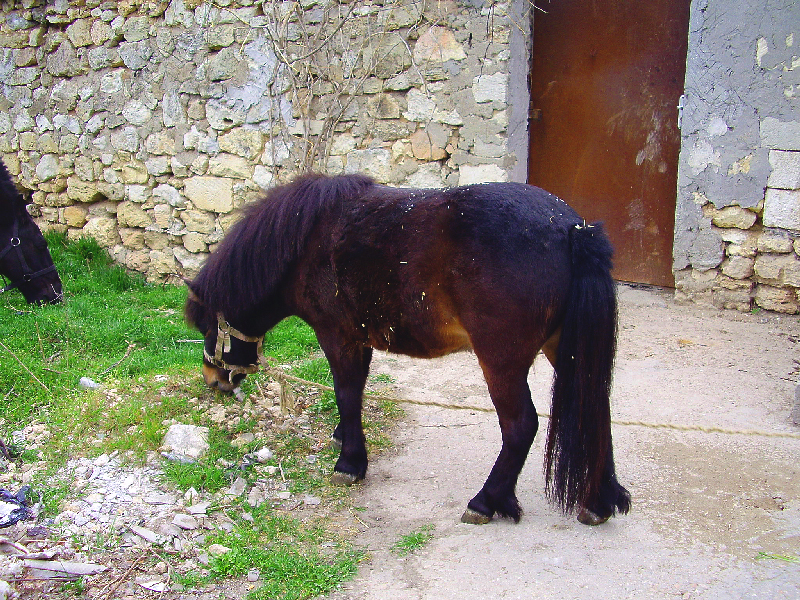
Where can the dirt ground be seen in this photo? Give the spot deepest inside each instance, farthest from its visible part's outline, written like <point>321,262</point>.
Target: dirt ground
<point>715,515</point>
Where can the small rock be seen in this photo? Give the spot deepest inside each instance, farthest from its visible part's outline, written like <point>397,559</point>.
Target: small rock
<point>88,383</point>
<point>310,500</point>
<point>185,521</point>
<point>201,508</point>
<point>264,455</point>
<point>218,549</point>
<point>238,487</point>
<point>253,575</point>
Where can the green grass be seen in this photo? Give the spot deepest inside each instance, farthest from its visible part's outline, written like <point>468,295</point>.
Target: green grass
<point>413,541</point>
<point>130,336</point>
<point>290,556</point>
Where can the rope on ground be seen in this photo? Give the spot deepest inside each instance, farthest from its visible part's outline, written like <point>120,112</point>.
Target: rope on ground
<point>283,378</point>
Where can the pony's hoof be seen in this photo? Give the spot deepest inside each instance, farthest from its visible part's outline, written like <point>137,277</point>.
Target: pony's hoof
<point>587,517</point>
<point>473,517</point>
<point>343,479</point>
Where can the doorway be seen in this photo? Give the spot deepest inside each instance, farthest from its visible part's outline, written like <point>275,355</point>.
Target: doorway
<point>606,81</point>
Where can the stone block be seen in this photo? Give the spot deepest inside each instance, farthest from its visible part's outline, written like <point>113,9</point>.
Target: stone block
<point>163,261</point>
<point>132,238</point>
<point>228,165</point>
<point>79,33</point>
<point>130,214</point>
<point>383,106</point>
<point>782,209</point>
<point>738,267</point>
<point>75,216</point>
<point>83,191</point>
<point>429,143</point>
<point>161,143</point>
<point>194,242</point>
<point>198,221</point>
<point>134,172</point>
<point>490,88</point>
<point>778,268</point>
<point>740,300</point>
<point>420,106</point>
<point>785,170</point>
<point>782,300</point>
<point>223,118</point>
<point>167,193</point>
<point>213,194</point>
<point>102,229</point>
<point>774,241</point>
<point>469,174</point>
<point>47,167</point>
<point>375,162</point>
<point>731,216</point>
<point>438,44</point>
<point>780,135</point>
<point>162,214</point>
<point>247,143</point>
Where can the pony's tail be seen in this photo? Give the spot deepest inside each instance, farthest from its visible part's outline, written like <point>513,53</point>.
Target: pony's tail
<point>579,463</point>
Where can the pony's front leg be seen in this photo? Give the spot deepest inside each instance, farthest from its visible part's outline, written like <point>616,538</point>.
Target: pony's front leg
<point>518,424</point>
<point>349,367</point>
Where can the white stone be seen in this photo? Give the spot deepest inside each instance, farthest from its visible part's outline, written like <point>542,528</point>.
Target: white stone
<point>421,107</point>
<point>187,440</point>
<point>469,174</point>
<point>490,88</point>
<point>137,113</point>
<point>782,209</point>
<point>185,521</point>
<point>785,170</point>
<point>262,177</point>
<point>47,168</point>
<point>375,162</point>
<point>210,193</point>
<point>170,195</point>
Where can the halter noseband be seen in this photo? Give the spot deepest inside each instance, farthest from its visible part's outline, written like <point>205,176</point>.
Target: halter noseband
<point>15,242</point>
<point>224,334</point>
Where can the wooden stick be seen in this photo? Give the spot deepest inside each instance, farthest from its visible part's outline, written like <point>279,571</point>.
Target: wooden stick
<point>6,348</point>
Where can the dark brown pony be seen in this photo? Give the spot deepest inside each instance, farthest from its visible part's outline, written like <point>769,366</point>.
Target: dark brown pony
<point>503,268</point>
<point>24,257</point>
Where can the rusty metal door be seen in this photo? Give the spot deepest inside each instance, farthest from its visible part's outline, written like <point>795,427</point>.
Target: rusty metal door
<point>606,80</point>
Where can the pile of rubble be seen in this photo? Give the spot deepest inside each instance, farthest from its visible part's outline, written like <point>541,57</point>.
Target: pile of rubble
<point>113,514</point>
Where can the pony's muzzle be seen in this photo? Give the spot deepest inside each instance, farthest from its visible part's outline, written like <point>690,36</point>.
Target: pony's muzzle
<point>220,379</point>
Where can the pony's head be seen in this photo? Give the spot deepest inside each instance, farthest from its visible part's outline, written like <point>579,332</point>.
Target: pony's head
<point>25,260</point>
<point>228,354</point>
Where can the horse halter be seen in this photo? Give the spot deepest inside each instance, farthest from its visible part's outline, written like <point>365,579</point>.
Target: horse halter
<point>15,242</point>
<point>224,334</point>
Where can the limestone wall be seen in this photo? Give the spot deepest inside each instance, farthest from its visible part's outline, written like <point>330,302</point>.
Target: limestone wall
<point>737,231</point>
<point>147,124</point>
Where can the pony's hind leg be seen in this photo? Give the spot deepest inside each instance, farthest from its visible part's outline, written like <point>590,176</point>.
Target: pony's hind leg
<point>511,396</point>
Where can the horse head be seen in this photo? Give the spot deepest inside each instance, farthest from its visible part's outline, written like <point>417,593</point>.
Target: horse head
<point>228,354</point>
<point>25,260</point>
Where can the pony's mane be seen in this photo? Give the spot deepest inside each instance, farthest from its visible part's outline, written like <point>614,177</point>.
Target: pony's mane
<point>258,250</point>
<point>10,199</point>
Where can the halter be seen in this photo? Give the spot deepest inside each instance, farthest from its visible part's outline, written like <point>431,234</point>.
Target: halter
<point>224,334</point>
<point>26,277</point>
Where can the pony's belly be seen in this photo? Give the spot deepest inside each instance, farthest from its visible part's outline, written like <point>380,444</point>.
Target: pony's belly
<point>430,341</point>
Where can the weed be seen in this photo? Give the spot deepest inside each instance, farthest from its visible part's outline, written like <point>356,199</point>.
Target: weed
<point>413,541</point>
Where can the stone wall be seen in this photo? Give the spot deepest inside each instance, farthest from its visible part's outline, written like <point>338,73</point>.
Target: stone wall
<point>147,124</point>
<point>737,233</point>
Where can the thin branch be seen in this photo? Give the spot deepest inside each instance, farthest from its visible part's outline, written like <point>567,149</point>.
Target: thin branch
<point>6,348</point>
